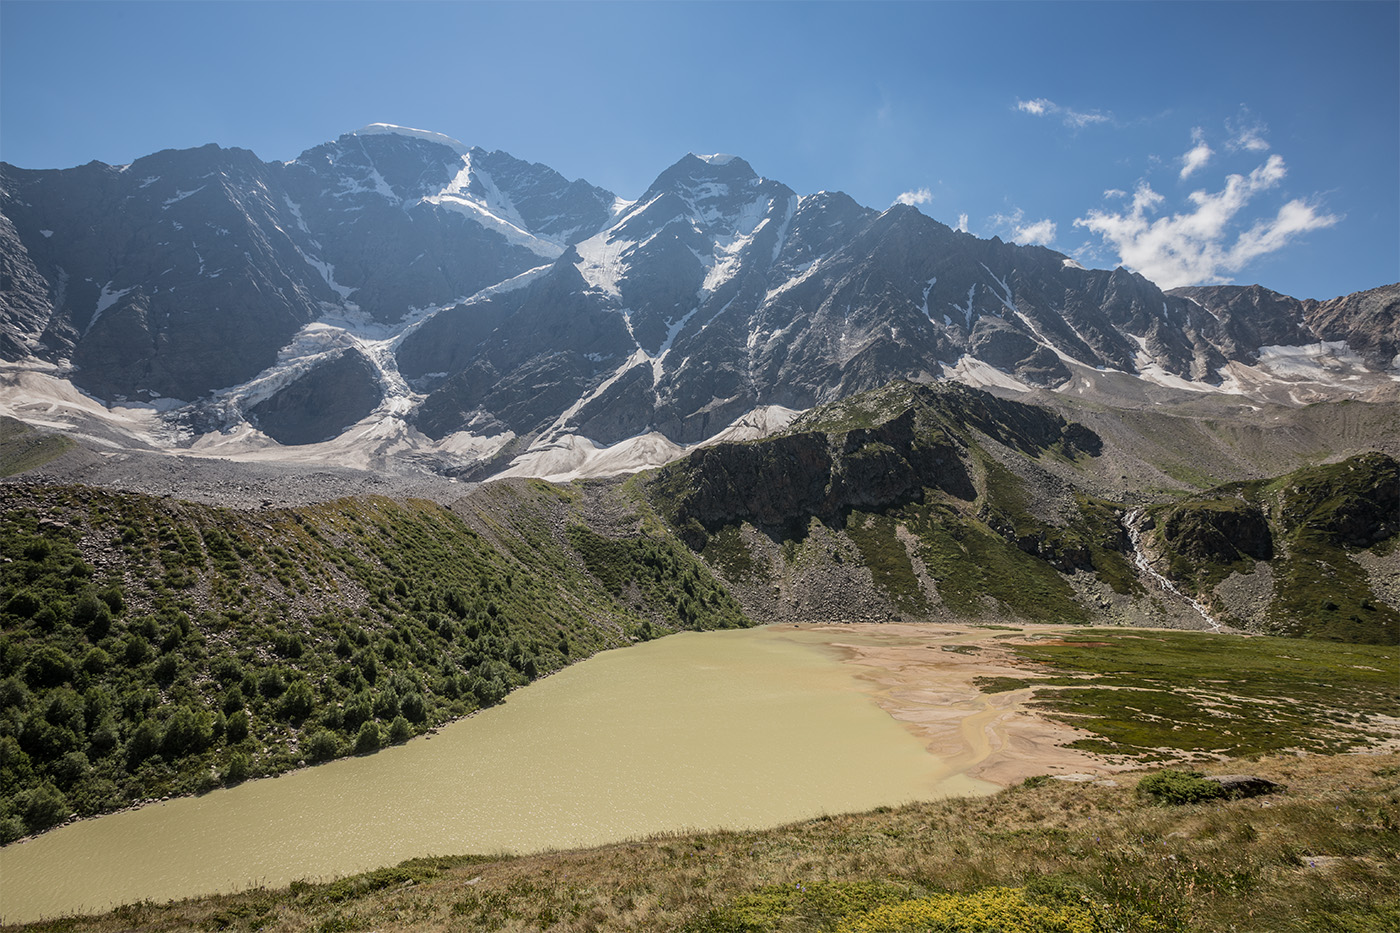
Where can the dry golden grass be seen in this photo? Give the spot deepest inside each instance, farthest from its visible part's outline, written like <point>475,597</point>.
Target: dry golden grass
<point>1324,856</point>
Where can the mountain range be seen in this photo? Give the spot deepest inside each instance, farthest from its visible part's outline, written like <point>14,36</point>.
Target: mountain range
<point>396,299</point>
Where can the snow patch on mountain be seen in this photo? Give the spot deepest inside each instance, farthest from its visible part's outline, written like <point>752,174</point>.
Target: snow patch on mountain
<point>40,395</point>
<point>572,457</point>
<point>761,422</point>
<point>381,129</point>
<point>515,235</point>
<point>971,371</point>
<point>639,358</point>
<point>1330,363</point>
<point>1151,371</point>
<point>601,263</point>
<point>568,457</point>
<point>327,272</point>
<point>108,298</point>
<point>928,287</point>
<point>729,249</point>
<point>180,196</point>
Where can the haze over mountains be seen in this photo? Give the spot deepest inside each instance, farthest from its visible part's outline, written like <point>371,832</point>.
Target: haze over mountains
<point>395,297</point>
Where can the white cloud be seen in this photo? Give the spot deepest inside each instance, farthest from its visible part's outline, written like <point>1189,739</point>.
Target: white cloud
<point>1040,233</point>
<point>1203,245</point>
<point>962,223</point>
<point>1246,134</point>
<point>917,196</point>
<point>1200,154</point>
<point>1251,140</point>
<point>1036,233</point>
<point>1040,107</point>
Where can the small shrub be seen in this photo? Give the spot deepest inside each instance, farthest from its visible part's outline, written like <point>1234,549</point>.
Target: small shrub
<point>321,746</point>
<point>237,770</point>
<point>272,684</point>
<point>413,708</point>
<point>42,807</point>
<point>11,828</point>
<point>23,604</point>
<point>367,740</point>
<point>298,702</point>
<point>48,667</point>
<point>236,727</point>
<point>91,611</point>
<point>1170,787</point>
<point>144,743</point>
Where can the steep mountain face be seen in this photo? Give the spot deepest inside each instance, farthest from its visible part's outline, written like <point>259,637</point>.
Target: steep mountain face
<point>187,273</point>
<point>168,277</point>
<point>474,304</point>
<point>719,292</point>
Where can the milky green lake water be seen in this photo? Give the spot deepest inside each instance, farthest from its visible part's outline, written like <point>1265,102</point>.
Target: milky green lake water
<point>721,729</point>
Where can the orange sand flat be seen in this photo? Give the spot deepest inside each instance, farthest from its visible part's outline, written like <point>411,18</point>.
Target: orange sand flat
<point>994,738</point>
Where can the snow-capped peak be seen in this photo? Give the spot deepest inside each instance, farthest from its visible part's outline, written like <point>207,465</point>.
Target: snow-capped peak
<point>718,158</point>
<point>382,129</point>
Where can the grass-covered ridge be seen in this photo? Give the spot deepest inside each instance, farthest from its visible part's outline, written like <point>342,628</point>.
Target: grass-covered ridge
<point>1045,857</point>
<point>152,647</point>
<point>25,448</point>
<point>947,502</point>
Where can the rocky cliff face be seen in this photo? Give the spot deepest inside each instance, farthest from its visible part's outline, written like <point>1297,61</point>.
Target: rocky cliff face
<point>1368,321</point>
<point>891,449</point>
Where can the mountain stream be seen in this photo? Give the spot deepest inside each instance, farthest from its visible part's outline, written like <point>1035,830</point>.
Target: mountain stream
<point>1132,521</point>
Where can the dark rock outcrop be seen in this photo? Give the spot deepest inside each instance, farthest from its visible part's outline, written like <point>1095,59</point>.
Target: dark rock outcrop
<point>884,450</point>
<point>1236,786</point>
<point>1217,531</point>
<point>321,403</point>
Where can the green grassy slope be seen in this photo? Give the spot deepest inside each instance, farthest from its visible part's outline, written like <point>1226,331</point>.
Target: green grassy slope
<point>152,647</point>
<point>24,448</point>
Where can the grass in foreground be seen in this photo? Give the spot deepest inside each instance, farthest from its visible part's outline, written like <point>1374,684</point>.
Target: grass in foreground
<point>1045,856</point>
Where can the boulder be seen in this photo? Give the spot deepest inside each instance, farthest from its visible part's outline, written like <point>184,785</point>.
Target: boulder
<point>1245,785</point>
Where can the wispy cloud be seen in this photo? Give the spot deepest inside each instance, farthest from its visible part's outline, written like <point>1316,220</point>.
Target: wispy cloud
<point>1205,244</point>
<point>1196,159</point>
<point>1035,233</point>
<point>1042,107</point>
<point>962,223</point>
<point>1249,138</point>
<point>917,196</point>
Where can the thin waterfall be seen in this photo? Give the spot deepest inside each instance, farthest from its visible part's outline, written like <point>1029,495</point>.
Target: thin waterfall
<point>1131,521</point>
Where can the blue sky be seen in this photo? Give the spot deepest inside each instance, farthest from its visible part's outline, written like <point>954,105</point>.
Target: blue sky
<point>1238,142</point>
